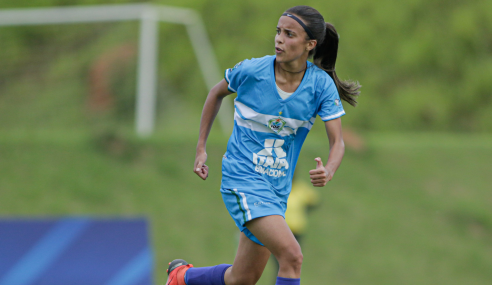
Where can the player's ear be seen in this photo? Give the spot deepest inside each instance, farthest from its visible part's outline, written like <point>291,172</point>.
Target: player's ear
<point>311,44</point>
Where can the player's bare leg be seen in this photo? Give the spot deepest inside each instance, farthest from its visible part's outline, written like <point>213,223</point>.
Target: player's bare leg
<point>276,235</point>
<point>251,259</point>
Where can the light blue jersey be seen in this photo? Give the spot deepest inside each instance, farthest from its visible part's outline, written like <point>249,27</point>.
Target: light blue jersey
<point>268,131</point>
<point>268,134</point>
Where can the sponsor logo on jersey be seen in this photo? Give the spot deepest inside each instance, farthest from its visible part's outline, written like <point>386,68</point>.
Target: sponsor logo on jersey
<point>237,65</point>
<point>276,125</point>
<point>265,161</point>
<point>257,204</point>
<point>337,102</point>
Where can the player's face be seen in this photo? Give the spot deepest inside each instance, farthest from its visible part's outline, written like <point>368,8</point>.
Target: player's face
<point>290,41</point>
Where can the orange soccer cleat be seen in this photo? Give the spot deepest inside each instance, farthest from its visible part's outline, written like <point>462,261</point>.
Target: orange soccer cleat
<point>176,271</point>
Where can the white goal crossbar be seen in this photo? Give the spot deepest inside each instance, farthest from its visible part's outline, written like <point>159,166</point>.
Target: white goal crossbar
<point>150,16</point>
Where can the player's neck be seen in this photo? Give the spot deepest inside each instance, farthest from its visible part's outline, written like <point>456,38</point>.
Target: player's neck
<point>291,72</point>
<point>292,67</point>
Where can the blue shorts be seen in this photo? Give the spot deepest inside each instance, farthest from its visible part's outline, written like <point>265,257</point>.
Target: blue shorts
<point>245,205</point>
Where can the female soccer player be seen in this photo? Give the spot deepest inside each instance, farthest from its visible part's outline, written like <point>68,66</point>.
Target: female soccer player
<point>278,98</point>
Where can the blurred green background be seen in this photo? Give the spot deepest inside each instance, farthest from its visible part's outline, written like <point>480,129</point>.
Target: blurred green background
<point>410,203</point>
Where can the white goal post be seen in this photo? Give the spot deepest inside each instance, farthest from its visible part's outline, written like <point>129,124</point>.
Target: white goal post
<point>150,16</point>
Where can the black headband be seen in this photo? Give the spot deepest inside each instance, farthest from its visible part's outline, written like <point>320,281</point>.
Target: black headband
<point>308,31</point>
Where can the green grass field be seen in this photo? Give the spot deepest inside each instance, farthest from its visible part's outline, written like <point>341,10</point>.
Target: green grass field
<point>410,209</point>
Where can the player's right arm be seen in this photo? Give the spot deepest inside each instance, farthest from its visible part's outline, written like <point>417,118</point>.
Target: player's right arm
<point>209,112</point>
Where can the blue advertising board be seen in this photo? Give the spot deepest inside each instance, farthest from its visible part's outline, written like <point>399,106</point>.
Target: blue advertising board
<point>75,251</point>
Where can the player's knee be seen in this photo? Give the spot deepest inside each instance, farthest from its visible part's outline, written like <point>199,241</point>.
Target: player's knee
<point>296,260</point>
<point>292,258</point>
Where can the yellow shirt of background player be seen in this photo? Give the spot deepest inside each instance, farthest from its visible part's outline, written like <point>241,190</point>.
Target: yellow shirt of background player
<point>302,197</point>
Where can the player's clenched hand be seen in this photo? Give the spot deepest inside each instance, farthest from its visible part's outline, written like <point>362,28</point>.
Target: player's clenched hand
<point>200,168</point>
<point>320,176</point>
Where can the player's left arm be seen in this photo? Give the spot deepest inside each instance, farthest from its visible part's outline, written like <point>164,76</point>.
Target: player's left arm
<point>324,173</point>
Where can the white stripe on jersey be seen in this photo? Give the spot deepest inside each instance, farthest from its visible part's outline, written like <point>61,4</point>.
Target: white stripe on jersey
<point>228,81</point>
<point>334,116</point>
<point>245,204</point>
<point>248,118</point>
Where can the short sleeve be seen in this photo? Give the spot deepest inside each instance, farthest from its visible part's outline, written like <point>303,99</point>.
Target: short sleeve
<point>331,105</point>
<point>234,76</point>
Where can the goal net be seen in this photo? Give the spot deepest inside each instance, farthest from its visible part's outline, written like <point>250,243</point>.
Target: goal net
<point>76,68</point>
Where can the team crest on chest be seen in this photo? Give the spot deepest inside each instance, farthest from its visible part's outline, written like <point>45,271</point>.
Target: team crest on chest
<point>276,125</point>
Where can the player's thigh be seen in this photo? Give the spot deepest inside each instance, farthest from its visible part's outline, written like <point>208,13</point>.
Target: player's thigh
<point>249,263</point>
<point>276,235</point>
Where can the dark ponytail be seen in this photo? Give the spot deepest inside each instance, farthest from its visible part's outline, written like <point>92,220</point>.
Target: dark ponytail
<point>325,53</point>
<point>325,57</point>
